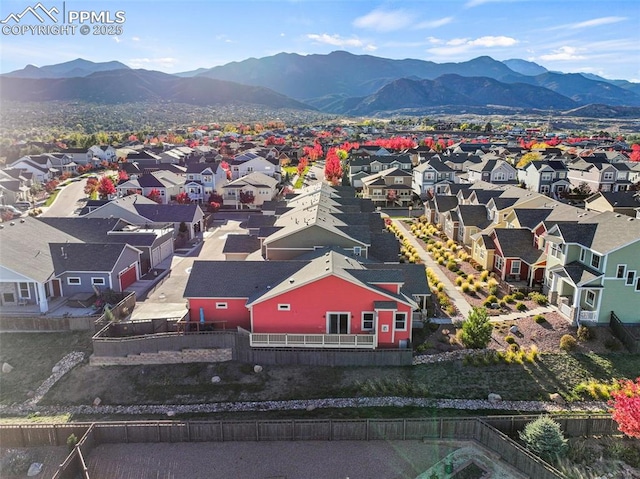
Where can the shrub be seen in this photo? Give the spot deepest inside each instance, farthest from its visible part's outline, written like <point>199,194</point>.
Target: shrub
<point>538,298</point>
<point>72,440</point>
<point>492,282</point>
<point>487,303</point>
<point>478,267</point>
<point>452,266</point>
<point>568,342</point>
<point>519,295</point>
<point>544,438</point>
<point>509,299</point>
<point>539,318</point>
<point>594,390</point>
<point>492,298</point>
<point>532,355</point>
<point>493,289</point>
<point>471,279</point>
<point>440,260</point>
<point>477,287</point>
<point>450,310</point>
<point>521,306</point>
<point>440,287</point>
<point>584,333</point>
<point>502,303</point>
<point>476,330</point>
<point>459,281</point>
<point>484,275</point>
<point>510,339</point>
<point>513,347</point>
<point>613,344</point>
<point>465,287</point>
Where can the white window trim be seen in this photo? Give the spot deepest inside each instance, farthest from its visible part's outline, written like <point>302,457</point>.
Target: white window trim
<point>222,305</point>
<point>514,263</point>
<point>373,321</point>
<point>583,255</point>
<point>71,281</point>
<point>357,250</point>
<point>586,298</point>
<point>593,256</point>
<point>284,307</point>
<point>96,281</point>
<point>405,321</point>
<point>624,271</point>
<point>631,275</point>
<point>24,296</point>
<point>498,262</point>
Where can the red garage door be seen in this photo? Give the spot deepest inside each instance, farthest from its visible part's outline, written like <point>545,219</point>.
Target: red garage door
<point>128,277</point>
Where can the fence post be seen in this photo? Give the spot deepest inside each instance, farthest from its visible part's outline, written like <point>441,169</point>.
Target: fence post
<point>404,429</point>
<point>257,432</point>
<point>221,431</point>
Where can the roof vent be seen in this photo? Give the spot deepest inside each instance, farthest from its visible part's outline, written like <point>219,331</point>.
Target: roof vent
<point>618,215</point>
<point>291,280</point>
<point>12,224</point>
<point>22,220</point>
<point>630,219</point>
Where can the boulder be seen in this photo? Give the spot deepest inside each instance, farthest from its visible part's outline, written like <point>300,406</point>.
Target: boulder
<point>171,413</point>
<point>310,407</point>
<point>514,329</point>
<point>493,397</point>
<point>557,398</point>
<point>34,469</point>
<point>6,368</point>
<point>215,379</point>
<point>55,369</point>
<point>97,401</point>
<point>257,368</point>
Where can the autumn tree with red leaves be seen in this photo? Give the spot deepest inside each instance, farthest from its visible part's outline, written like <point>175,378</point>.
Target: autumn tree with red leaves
<point>635,153</point>
<point>626,407</point>
<point>91,186</point>
<point>227,169</point>
<point>215,202</point>
<point>122,176</point>
<point>183,198</point>
<point>302,164</point>
<point>246,197</point>
<point>106,187</point>
<point>154,195</point>
<point>332,167</point>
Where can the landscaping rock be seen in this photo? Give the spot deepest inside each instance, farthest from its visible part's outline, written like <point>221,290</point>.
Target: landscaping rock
<point>6,368</point>
<point>34,469</point>
<point>495,305</point>
<point>310,407</point>
<point>493,397</point>
<point>171,413</point>
<point>557,398</point>
<point>215,379</point>
<point>257,368</point>
<point>514,329</point>
<point>55,369</point>
<point>97,401</point>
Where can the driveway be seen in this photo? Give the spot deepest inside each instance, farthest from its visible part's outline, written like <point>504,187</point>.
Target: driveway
<point>167,299</point>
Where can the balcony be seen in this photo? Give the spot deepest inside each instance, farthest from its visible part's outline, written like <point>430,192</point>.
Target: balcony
<point>588,316</point>
<point>279,340</point>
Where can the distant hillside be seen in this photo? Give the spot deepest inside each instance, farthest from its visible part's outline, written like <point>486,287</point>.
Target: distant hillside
<point>342,73</point>
<point>525,67</point>
<point>126,86</point>
<point>457,90</point>
<point>74,68</point>
<point>604,111</point>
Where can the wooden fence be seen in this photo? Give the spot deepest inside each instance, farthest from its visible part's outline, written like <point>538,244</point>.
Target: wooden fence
<point>147,342</point>
<point>629,335</point>
<point>491,432</point>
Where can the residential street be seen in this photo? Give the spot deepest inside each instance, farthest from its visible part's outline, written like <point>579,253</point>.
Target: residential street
<point>67,201</point>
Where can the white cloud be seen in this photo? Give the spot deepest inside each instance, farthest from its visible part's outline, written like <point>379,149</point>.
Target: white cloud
<point>434,23</point>
<point>476,3</point>
<point>435,41</point>
<point>338,41</point>
<point>458,46</point>
<point>597,22</point>
<point>162,62</point>
<point>135,39</point>
<point>385,20</point>
<point>116,39</point>
<point>563,54</point>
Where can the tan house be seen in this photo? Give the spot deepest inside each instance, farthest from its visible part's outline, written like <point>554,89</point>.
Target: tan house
<point>388,187</point>
<point>256,185</point>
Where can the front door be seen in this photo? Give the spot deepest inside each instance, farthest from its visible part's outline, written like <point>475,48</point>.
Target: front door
<point>338,323</point>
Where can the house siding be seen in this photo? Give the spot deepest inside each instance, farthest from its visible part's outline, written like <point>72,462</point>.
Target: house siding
<point>618,297</point>
<point>236,315</point>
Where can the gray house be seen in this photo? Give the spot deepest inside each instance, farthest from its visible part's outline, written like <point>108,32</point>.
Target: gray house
<point>546,177</point>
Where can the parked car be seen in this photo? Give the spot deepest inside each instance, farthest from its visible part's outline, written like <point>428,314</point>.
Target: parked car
<point>10,209</point>
<point>312,176</point>
<point>23,205</point>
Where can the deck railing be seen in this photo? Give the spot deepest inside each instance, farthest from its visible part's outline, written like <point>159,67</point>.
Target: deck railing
<point>360,341</point>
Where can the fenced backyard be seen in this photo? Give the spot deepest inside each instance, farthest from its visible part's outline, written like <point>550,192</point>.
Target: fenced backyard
<point>493,432</point>
<point>629,335</point>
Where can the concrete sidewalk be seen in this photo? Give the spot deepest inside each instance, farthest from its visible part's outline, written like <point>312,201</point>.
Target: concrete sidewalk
<point>457,297</point>
<point>463,307</point>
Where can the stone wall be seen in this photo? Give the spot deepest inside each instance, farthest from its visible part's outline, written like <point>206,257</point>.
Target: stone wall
<point>165,357</point>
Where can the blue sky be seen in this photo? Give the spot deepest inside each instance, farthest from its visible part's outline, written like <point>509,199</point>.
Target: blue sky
<point>601,37</point>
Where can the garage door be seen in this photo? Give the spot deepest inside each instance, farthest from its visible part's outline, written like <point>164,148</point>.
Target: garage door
<point>128,277</point>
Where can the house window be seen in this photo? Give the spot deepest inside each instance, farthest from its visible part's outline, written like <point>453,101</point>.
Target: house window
<point>544,189</point>
<point>357,250</point>
<point>545,177</point>
<point>74,281</point>
<point>428,176</point>
<point>638,284</point>
<point>498,263</point>
<point>556,250</point>
<point>97,281</point>
<point>591,298</point>
<point>608,175</point>
<point>398,180</point>
<point>367,321</point>
<point>222,305</point>
<point>620,273</point>
<point>630,278</point>
<point>583,254</point>
<point>515,267</point>
<point>400,321</point>
<point>499,176</point>
<point>24,290</point>
<point>284,307</point>
<point>595,260</point>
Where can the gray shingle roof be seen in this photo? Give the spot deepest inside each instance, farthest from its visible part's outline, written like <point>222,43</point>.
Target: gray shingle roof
<point>241,244</point>
<point>87,257</point>
<point>167,213</point>
<point>517,243</point>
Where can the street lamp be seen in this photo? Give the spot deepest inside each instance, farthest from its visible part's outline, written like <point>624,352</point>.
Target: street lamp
<point>410,212</point>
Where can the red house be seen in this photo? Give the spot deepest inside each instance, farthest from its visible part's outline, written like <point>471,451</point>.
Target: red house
<point>326,299</point>
<point>515,257</point>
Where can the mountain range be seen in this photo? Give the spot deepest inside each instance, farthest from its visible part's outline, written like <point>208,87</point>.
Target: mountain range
<point>340,82</point>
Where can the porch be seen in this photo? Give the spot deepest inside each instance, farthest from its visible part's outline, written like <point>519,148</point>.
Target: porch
<point>278,340</point>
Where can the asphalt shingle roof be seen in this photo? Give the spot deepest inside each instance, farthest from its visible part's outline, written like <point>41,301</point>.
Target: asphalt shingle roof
<point>85,256</point>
